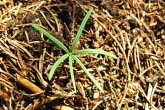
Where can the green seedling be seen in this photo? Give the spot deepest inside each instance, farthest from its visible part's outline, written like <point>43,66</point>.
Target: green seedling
<point>71,53</point>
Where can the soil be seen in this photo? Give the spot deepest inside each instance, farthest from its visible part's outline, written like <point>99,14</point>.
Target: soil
<point>133,30</point>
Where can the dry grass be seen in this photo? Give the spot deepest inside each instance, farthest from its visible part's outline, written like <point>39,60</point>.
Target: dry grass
<point>134,30</point>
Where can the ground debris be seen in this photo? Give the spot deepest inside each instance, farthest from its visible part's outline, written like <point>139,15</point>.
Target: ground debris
<point>133,30</point>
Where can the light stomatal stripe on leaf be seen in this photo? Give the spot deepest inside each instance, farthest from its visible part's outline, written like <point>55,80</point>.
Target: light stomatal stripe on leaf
<point>58,62</point>
<point>81,29</point>
<point>94,51</point>
<point>52,38</point>
<point>91,77</point>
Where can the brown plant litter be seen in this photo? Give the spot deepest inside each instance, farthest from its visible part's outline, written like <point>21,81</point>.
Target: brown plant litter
<point>133,30</point>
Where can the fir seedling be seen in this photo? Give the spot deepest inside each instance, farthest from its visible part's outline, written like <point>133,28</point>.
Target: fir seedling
<point>71,53</point>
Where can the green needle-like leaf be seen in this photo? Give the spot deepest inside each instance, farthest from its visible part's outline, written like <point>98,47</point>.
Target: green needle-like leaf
<point>72,73</point>
<point>81,29</point>
<point>59,61</point>
<point>52,38</point>
<point>87,73</point>
<point>94,51</point>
